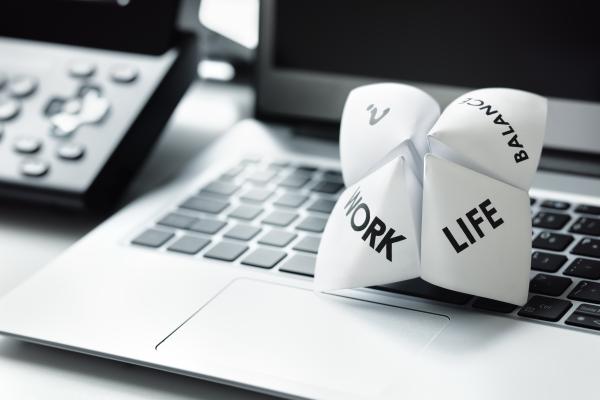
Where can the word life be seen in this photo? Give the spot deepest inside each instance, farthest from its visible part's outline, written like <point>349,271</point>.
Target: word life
<point>360,219</point>
<point>520,155</point>
<point>475,221</point>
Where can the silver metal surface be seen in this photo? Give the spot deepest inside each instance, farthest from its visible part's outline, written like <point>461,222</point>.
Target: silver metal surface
<point>123,301</point>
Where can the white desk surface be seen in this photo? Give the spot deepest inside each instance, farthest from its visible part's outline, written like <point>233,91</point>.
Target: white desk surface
<point>32,236</point>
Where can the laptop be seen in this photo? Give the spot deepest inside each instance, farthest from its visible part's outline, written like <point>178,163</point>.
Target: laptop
<point>210,275</point>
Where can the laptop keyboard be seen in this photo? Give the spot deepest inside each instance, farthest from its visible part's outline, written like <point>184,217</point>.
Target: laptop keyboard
<point>270,215</point>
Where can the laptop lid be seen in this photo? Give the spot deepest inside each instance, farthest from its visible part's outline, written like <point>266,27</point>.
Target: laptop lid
<point>140,26</point>
<point>312,53</point>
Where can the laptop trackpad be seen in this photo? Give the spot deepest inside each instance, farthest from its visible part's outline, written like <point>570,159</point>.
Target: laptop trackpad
<point>261,332</point>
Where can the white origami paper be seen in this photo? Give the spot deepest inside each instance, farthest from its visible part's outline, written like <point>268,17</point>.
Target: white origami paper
<point>459,216</point>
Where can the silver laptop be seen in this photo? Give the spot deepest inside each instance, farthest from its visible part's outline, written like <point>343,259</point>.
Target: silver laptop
<point>211,275</point>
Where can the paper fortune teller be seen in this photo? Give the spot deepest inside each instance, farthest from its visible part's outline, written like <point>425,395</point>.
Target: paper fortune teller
<point>443,196</point>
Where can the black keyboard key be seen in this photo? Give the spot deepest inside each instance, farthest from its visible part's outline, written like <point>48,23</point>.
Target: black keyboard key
<point>322,205</point>
<point>549,284</point>
<point>177,221</point>
<point>246,212</point>
<point>280,218</point>
<point>545,308</point>
<point>547,262</point>
<point>264,258</point>
<point>419,288</point>
<point>207,225</point>
<point>555,204</point>
<point>202,204</point>
<point>306,169</point>
<point>226,251</point>
<point>308,244</point>
<point>586,291</point>
<point>295,181</point>
<point>152,238</point>
<point>258,195</point>
<point>312,224</point>
<point>550,220</point>
<point>586,226</point>
<point>242,232</point>
<point>587,247</point>
<point>583,321</point>
<point>333,176</point>
<point>587,209</point>
<point>300,264</point>
<point>493,305</point>
<point>291,200</point>
<point>584,268</point>
<point>327,187</point>
<point>220,188</point>
<point>262,177</point>
<point>277,238</point>
<point>552,241</point>
<point>588,309</point>
<point>189,244</point>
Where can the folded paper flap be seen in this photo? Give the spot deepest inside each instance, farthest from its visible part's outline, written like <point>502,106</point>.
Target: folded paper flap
<point>476,239</point>
<point>496,131</point>
<point>459,217</point>
<point>377,119</point>
<point>372,236</point>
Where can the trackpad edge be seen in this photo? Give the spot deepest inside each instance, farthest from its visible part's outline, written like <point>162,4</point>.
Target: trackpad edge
<point>267,330</point>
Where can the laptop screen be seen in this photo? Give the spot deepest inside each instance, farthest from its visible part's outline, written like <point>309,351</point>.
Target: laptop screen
<point>551,48</point>
<point>312,53</point>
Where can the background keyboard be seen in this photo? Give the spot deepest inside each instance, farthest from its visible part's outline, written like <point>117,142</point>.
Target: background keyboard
<point>270,214</point>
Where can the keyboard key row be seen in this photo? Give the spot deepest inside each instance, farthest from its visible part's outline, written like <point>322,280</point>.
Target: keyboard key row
<point>246,232</point>
<point>261,257</point>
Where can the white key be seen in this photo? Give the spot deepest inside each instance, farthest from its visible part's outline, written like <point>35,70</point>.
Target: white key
<point>93,109</point>
<point>82,69</point>
<point>22,86</point>
<point>9,108</point>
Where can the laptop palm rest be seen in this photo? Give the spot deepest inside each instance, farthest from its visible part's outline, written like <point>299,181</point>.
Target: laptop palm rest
<point>271,331</point>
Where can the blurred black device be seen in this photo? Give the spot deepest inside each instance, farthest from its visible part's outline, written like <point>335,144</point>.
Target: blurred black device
<point>86,87</point>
